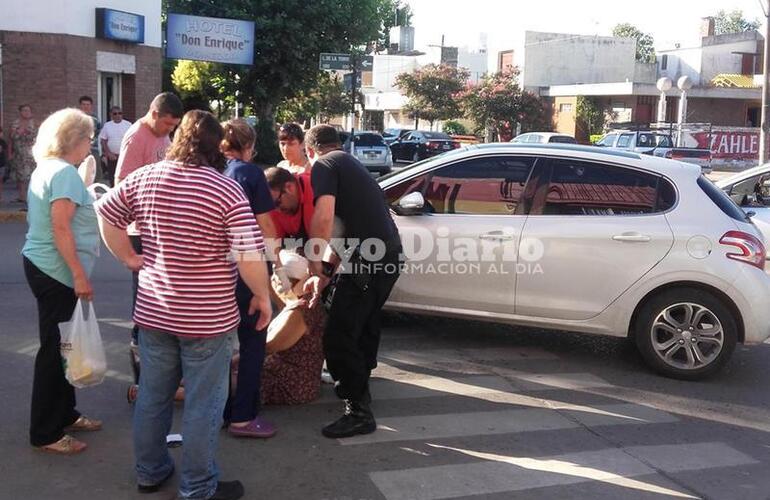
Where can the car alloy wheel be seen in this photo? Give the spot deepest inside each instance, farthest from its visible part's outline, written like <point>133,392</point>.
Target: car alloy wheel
<point>687,336</point>
<point>686,332</point>
<point>416,157</point>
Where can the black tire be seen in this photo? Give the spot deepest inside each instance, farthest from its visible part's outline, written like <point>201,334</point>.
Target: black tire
<point>416,156</point>
<point>677,302</point>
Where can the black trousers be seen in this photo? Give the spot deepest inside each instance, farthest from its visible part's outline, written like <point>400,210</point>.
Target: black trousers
<point>53,398</point>
<point>136,242</point>
<point>352,335</point>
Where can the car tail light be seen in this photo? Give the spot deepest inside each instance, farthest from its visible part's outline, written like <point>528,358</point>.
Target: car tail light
<point>669,154</point>
<point>455,145</point>
<point>752,250</point>
<point>431,145</point>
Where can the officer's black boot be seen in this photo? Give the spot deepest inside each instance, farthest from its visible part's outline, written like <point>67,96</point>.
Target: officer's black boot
<point>358,419</point>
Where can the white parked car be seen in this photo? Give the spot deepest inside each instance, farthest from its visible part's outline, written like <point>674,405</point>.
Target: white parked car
<point>543,138</point>
<point>583,239</point>
<point>751,190</point>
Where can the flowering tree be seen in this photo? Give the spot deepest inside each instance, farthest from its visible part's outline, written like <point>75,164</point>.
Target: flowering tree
<point>432,91</point>
<point>498,103</point>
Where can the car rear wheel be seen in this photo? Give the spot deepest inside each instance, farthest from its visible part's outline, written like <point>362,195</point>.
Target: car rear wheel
<point>416,156</point>
<point>686,333</point>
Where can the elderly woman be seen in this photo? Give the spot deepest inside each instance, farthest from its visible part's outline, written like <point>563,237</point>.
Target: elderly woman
<point>196,227</point>
<point>59,253</point>
<point>22,160</point>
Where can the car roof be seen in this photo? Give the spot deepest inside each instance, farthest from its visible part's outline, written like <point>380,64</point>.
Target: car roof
<point>742,176</point>
<point>662,166</point>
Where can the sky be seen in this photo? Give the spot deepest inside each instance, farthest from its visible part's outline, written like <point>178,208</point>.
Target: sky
<point>505,21</point>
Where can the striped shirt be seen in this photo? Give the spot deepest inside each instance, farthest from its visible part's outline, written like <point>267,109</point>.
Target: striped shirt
<point>192,219</point>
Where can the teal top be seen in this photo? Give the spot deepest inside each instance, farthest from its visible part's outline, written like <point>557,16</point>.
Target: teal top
<point>55,179</point>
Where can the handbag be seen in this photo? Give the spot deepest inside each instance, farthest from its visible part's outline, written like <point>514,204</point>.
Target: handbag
<point>85,363</point>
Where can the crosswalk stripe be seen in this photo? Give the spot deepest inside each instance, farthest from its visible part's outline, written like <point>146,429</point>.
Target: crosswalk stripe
<point>422,427</point>
<point>501,473</point>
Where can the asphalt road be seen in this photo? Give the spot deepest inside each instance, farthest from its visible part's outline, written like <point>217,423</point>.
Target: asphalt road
<point>466,410</point>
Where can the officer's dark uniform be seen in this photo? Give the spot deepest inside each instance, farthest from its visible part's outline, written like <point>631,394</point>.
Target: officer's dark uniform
<point>352,334</point>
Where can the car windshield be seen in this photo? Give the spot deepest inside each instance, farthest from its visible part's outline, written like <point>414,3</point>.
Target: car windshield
<point>436,135</point>
<point>369,140</point>
<point>653,140</point>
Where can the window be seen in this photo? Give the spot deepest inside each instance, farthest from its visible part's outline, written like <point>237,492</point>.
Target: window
<point>625,140</point>
<point>562,139</point>
<point>565,107</point>
<point>489,185</point>
<point>651,140</point>
<point>607,141</point>
<point>369,140</point>
<point>584,188</point>
<point>720,199</point>
<point>437,136</point>
<point>522,138</point>
<point>664,62</point>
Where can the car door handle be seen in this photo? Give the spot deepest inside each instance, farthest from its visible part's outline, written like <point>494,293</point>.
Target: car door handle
<point>632,238</point>
<point>496,236</point>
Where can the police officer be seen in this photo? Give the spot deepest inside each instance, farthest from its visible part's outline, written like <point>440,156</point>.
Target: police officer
<point>350,204</point>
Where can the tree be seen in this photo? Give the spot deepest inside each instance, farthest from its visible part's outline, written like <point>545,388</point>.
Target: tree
<point>498,103</point>
<point>589,117</point>
<point>645,50</point>
<point>197,84</point>
<point>452,127</point>
<point>288,38</point>
<point>326,100</point>
<point>432,91</point>
<point>393,13</point>
<point>733,22</point>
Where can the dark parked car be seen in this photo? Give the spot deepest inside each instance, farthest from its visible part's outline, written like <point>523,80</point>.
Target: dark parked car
<point>419,144</point>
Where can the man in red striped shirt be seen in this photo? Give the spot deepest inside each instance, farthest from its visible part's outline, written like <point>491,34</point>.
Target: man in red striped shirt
<point>198,233</point>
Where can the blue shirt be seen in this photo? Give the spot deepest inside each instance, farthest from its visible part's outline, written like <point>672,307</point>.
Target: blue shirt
<point>52,180</point>
<point>253,182</point>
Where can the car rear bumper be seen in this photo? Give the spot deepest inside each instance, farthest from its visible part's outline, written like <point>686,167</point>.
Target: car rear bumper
<point>751,294</point>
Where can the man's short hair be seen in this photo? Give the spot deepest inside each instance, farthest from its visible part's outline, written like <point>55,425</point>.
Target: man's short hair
<point>289,131</point>
<point>167,104</point>
<point>85,98</point>
<point>115,108</point>
<point>322,138</point>
<point>278,177</point>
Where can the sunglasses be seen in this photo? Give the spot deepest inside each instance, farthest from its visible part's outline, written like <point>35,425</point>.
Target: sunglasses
<point>117,113</point>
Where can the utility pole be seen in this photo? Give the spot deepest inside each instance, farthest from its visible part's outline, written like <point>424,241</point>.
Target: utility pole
<point>765,130</point>
<point>353,64</point>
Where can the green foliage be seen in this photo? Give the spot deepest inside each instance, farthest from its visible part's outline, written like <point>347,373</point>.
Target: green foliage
<point>328,99</point>
<point>392,13</point>
<point>288,38</point>
<point>733,22</point>
<point>499,103</point>
<point>452,127</point>
<point>432,91</point>
<point>594,138</point>
<point>589,116</point>
<point>645,49</point>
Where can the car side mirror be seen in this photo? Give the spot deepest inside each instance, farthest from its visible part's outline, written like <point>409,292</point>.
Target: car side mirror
<point>411,204</point>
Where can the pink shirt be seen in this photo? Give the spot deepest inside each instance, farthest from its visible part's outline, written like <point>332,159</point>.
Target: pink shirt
<point>192,220</point>
<point>140,147</point>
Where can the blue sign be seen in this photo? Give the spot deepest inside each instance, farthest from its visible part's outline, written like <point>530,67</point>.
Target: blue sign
<point>228,41</point>
<point>120,26</point>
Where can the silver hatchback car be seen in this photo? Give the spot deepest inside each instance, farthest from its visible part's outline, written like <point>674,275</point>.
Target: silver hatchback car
<point>583,239</point>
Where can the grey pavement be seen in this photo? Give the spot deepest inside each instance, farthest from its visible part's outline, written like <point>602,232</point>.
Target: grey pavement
<point>465,410</point>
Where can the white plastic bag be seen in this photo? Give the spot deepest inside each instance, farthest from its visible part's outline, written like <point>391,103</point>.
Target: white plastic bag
<point>81,348</point>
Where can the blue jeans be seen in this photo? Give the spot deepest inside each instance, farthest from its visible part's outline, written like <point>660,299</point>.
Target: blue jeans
<point>205,365</point>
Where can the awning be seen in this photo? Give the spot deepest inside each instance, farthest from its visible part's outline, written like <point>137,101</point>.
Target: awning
<point>731,80</point>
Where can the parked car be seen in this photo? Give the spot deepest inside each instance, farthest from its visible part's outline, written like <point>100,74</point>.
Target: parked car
<point>656,143</point>
<point>544,138</point>
<point>419,144</point>
<point>583,239</point>
<point>750,189</point>
<point>391,134</point>
<point>371,151</point>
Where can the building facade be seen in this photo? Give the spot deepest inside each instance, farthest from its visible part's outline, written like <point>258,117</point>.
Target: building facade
<point>110,50</point>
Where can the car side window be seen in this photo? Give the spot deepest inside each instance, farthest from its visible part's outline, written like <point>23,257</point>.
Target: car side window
<point>625,140</point>
<point>533,139</point>
<point>585,188</point>
<point>489,185</point>
<point>607,140</point>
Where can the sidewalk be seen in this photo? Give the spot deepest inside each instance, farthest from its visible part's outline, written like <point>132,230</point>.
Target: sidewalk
<point>10,209</point>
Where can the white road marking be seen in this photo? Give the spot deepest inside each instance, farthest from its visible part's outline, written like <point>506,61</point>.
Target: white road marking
<point>501,473</point>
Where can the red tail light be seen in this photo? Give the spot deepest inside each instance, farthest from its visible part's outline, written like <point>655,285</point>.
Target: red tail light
<point>455,145</point>
<point>669,154</point>
<point>751,249</point>
<point>431,145</point>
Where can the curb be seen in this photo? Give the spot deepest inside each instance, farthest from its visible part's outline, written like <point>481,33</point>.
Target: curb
<point>16,216</point>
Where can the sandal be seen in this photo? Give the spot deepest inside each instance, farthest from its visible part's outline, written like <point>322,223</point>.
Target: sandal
<point>67,445</point>
<point>84,424</point>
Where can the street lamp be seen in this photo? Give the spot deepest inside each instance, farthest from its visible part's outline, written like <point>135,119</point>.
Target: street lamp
<point>664,85</point>
<point>684,83</point>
